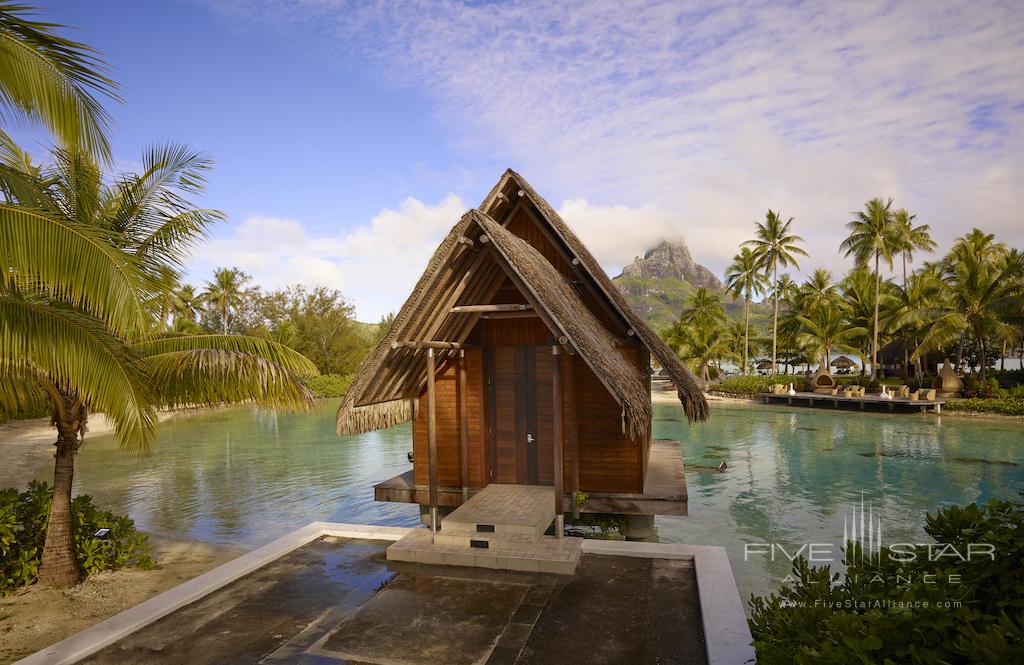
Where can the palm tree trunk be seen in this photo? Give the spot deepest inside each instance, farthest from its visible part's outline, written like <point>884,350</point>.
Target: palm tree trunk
<point>904,271</point>
<point>746,330</point>
<point>224,318</point>
<point>775,317</point>
<point>983,374</point>
<point>874,336</point>
<point>58,567</point>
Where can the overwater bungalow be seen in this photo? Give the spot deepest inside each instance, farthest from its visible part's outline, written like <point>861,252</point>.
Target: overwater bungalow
<point>520,364</point>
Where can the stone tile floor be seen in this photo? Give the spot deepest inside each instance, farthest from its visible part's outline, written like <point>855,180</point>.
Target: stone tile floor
<point>339,601</point>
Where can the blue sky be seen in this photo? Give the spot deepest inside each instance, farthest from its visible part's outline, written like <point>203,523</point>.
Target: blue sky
<point>349,136</point>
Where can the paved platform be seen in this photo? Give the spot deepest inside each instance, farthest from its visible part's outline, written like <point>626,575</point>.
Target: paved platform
<point>501,527</point>
<point>290,601</point>
<point>340,603</point>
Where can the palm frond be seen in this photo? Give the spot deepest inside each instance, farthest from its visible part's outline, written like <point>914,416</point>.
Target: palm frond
<point>279,354</point>
<point>216,376</point>
<point>72,262</point>
<point>88,360</point>
<point>52,81</point>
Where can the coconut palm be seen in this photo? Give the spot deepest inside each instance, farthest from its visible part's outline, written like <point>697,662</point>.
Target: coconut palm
<point>78,311</point>
<point>981,296</point>
<point>52,81</point>
<point>827,328</point>
<point>818,291</point>
<point>703,308</point>
<point>744,279</point>
<point>775,246</point>
<point>873,236</point>
<point>910,238</point>
<point>184,308</point>
<point>912,308</point>
<point>858,291</point>
<point>225,293</point>
<point>704,345</point>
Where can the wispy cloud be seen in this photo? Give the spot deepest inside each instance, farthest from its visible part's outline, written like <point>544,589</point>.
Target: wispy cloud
<point>712,112</point>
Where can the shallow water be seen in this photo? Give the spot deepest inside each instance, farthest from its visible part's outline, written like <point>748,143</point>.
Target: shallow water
<point>243,476</point>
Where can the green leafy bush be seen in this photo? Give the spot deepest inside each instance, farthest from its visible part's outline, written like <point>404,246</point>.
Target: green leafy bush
<point>890,609</point>
<point>329,385</point>
<point>754,385</point>
<point>23,518</point>
<point>1008,406</point>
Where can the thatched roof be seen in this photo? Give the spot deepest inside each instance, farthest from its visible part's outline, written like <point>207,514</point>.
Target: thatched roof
<point>688,388</point>
<point>390,381</point>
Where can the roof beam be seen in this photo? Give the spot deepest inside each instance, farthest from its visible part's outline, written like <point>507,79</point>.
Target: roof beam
<point>466,309</point>
<point>428,344</point>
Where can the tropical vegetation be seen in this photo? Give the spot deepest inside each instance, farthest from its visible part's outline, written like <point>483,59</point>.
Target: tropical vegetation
<point>967,305</point>
<point>907,604</point>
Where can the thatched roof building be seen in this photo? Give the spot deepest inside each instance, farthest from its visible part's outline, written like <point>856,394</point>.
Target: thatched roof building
<point>513,340</point>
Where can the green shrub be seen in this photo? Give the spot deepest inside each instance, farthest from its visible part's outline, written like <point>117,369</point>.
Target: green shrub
<point>754,385</point>
<point>1008,406</point>
<point>23,518</point>
<point>329,385</point>
<point>890,610</point>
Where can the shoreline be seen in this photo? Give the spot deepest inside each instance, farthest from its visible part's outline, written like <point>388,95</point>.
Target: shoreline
<point>33,618</point>
<point>668,396</point>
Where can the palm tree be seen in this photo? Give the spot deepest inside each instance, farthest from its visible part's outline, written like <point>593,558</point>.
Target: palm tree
<point>775,246</point>
<point>705,307</point>
<point>78,312</point>
<point>225,292</point>
<point>699,334</point>
<point>910,238</point>
<point>52,81</point>
<point>817,292</point>
<point>184,307</point>
<point>913,308</point>
<point>982,295</point>
<point>703,345</point>
<point>743,278</point>
<point>858,291</point>
<point>872,236</point>
<point>827,328</point>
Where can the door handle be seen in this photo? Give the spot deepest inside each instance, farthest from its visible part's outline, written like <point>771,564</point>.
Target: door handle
<point>529,437</point>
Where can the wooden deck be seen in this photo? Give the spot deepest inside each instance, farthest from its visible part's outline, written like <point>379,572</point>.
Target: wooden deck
<point>664,489</point>
<point>866,403</point>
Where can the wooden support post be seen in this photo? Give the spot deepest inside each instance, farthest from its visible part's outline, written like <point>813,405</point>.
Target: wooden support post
<point>463,425</point>
<point>444,346</point>
<point>559,416</point>
<point>574,444</point>
<point>432,439</point>
<point>469,309</point>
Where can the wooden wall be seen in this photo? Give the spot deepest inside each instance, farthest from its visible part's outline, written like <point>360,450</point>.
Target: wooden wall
<point>609,460</point>
<point>449,461</point>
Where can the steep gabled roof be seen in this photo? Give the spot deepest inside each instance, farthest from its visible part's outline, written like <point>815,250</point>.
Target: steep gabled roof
<point>387,387</point>
<point>690,394</point>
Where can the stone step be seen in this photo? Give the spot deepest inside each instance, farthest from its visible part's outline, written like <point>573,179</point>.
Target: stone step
<point>547,555</point>
<point>504,509</point>
<point>494,541</point>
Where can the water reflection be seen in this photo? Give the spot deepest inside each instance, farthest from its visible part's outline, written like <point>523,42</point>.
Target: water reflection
<point>793,474</point>
<point>244,476</point>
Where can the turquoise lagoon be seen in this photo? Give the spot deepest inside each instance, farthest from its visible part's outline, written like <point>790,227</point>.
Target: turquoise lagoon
<point>244,476</point>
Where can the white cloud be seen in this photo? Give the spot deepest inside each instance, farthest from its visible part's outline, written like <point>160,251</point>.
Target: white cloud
<point>711,112</point>
<point>374,265</point>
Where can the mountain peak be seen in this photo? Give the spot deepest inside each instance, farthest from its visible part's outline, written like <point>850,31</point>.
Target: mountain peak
<point>671,259</point>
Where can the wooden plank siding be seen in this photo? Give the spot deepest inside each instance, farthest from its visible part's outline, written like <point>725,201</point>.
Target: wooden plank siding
<point>449,462</point>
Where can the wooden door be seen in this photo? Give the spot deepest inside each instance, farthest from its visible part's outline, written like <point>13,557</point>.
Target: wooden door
<point>518,381</point>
